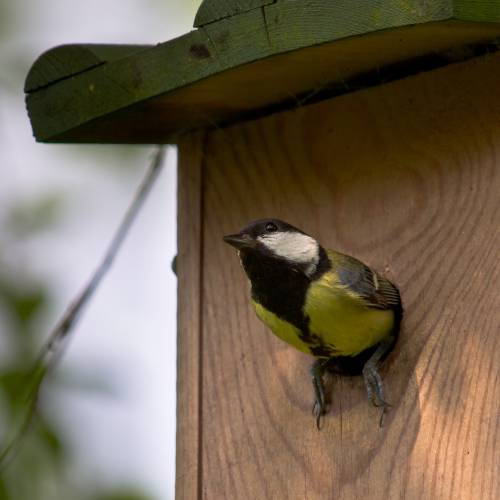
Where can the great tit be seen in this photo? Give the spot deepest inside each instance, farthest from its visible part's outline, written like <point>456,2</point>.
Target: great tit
<point>322,302</point>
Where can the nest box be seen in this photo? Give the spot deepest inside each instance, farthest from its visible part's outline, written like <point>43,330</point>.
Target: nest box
<point>375,126</point>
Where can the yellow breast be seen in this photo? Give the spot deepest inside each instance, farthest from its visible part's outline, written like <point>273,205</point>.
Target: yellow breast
<point>342,320</point>
<point>337,316</point>
<point>281,328</point>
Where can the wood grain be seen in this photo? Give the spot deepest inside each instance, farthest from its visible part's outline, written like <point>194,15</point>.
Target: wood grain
<point>479,11</point>
<point>189,224</point>
<point>406,177</point>
<point>214,10</point>
<point>65,61</point>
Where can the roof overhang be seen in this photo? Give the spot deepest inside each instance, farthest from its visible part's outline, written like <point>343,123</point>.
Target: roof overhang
<point>240,64</point>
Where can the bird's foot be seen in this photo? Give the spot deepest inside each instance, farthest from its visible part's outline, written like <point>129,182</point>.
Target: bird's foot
<point>375,389</point>
<point>319,408</point>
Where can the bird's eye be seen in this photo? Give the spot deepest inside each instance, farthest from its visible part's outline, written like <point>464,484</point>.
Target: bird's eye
<point>271,228</point>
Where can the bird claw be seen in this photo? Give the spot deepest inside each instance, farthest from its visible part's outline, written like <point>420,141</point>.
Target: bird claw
<point>375,390</point>
<point>318,410</point>
<point>319,406</point>
<point>373,384</point>
<point>381,404</point>
<point>382,414</point>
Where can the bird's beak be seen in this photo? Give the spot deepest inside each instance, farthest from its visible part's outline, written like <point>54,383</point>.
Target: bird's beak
<point>240,241</point>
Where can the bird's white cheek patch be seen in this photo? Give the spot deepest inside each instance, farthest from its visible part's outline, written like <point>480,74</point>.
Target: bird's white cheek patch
<point>295,247</point>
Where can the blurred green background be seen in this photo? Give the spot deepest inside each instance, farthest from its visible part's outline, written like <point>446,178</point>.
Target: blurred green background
<point>106,422</point>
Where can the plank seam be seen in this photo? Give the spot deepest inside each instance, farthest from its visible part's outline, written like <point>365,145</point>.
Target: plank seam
<point>201,315</point>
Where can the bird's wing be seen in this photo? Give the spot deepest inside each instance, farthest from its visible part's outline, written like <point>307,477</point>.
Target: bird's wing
<point>375,290</point>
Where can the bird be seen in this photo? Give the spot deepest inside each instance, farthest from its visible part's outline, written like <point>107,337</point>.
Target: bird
<point>322,302</point>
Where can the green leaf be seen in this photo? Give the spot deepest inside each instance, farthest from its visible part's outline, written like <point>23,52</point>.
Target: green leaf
<point>22,304</point>
<point>27,306</point>
<point>14,385</point>
<point>51,440</point>
<point>29,216</point>
<point>4,494</point>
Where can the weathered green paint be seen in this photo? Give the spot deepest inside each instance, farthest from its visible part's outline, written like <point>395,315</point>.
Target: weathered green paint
<point>300,24</point>
<point>477,10</point>
<point>101,85</point>
<point>68,60</point>
<point>214,10</point>
<point>117,84</point>
<point>239,40</point>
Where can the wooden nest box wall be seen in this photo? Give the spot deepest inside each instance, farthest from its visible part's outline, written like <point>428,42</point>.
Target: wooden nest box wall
<point>373,125</point>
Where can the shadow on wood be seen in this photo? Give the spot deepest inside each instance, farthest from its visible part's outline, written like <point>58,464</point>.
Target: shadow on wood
<point>405,177</point>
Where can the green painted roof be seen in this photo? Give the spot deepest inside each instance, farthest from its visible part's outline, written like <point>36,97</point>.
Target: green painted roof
<point>246,58</point>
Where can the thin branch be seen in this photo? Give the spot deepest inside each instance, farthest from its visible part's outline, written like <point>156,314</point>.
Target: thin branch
<point>53,349</point>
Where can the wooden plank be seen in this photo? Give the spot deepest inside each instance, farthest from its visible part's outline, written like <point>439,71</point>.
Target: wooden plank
<point>487,10</point>
<point>188,466</point>
<point>239,40</point>
<point>117,84</point>
<point>69,60</point>
<point>70,109</point>
<point>318,21</point>
<point>74,113</point>
<point>214,10</point>
<point>405,176</point>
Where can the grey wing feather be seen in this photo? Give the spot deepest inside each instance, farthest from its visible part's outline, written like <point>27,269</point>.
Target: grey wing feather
<point>376,290</point>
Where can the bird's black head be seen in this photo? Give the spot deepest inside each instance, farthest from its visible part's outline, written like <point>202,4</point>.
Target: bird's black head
<point>272,240</point>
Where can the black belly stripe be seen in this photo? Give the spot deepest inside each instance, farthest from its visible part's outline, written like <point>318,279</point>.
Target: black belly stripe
<point>281,288</point>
